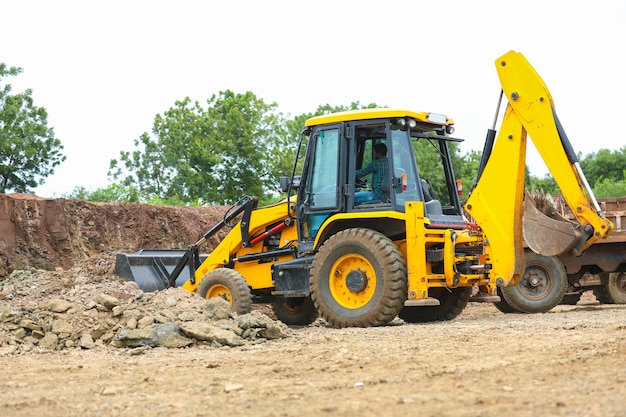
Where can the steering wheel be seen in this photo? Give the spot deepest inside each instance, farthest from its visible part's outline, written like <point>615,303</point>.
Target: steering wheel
<point>361,182</point>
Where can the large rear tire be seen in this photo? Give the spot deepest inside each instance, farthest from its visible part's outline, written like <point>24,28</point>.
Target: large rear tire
<point>229,285</point>
<point>452,302</point>
<point>614,292</point>
<point>358,279</point>
<point>542,286</point>
<point>298,311</point>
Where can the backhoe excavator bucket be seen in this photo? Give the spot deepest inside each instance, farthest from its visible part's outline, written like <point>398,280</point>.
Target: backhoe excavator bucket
<point>546,232</point>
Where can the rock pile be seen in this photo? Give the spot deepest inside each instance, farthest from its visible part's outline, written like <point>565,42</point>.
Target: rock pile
<point>63,315</point>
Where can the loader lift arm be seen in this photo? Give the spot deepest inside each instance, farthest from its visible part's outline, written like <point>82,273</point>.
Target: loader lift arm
<point>496,200</point>
<point>192,256</point>
<point>147,267</point>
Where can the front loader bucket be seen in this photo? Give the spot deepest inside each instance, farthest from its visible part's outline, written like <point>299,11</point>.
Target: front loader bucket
<point>546,232</point>
<point>151,268</point>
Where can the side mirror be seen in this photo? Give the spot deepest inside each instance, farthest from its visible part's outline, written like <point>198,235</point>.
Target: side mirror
<point>286,181</point>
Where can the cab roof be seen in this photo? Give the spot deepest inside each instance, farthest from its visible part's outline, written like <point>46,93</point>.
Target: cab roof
<point>379,113</point>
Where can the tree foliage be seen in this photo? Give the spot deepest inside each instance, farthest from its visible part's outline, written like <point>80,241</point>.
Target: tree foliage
<point>605,171</point>
<point>465,168</point>
<point>608,188</point>
<point>604,164</point>
<point>545,183</point>
<point>233,147</point>
<point>29,151</point>
<point>113,192</point>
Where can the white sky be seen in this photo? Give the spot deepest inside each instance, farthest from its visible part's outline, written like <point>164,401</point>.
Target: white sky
<point>104,69</point>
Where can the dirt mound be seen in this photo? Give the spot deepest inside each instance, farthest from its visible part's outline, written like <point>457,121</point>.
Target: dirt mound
<point>61,233</point>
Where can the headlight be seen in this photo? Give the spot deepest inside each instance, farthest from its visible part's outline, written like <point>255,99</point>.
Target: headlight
<point>437,118</point>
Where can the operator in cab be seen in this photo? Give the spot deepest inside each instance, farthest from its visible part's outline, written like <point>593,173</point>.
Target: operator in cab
<point>378,168</point>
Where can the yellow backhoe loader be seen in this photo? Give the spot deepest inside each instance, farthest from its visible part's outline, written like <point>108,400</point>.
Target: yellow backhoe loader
<point>360,255</point>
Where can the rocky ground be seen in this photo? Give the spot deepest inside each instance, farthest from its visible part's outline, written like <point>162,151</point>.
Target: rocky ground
<point>76,340</point>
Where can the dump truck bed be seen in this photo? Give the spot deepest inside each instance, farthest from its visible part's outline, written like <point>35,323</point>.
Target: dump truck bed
<point>605,255</point>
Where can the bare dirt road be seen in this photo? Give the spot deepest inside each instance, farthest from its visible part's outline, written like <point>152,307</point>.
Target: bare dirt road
<point>568,362</point>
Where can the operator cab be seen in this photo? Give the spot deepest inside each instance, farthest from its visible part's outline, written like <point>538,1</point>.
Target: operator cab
<point>346,170</point>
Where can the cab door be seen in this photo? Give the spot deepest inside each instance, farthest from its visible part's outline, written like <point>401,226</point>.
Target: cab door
<point>320,187</point>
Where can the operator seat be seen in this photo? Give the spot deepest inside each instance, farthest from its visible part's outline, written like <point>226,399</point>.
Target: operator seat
<point>425,191</point>
<point>385,187</point>
<point>432,206</point>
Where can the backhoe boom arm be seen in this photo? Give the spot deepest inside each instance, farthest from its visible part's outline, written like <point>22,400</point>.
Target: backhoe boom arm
<point>497,200</point>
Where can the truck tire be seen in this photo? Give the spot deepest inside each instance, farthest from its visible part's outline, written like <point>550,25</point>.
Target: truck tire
<point>358,279</point>
<point>452,302</point>
<point>297,311</point>
<point>229,285</point>
<point>542,286</point>
<point>614,292</point>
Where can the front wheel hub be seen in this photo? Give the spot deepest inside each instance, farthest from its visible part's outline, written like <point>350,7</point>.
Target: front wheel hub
<point>356,280</point>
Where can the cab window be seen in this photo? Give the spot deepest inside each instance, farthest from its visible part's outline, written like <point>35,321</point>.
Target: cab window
<point>324,171</point>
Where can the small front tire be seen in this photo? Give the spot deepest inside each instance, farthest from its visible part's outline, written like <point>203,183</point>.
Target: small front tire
<point>229,285</point>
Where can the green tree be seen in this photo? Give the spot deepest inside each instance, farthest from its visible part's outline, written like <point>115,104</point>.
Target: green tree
<point>608,188</point>
<point>604,171</point>
<point>113,192</point>
<point>604,164</point>
<point>217,154</point>
<point>465,168</point>
<point>545,183</point>
<point>29,151</point>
